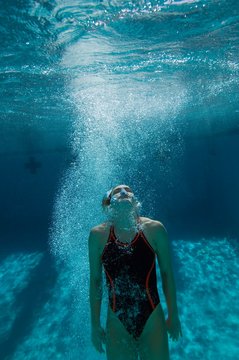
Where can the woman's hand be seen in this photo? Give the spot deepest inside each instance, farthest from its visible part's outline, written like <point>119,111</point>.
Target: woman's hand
<point>174,328</point>
<point>98,337</point>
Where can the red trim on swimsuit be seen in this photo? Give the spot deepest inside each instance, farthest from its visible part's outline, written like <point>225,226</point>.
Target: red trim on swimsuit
<point>113,290</point>
<point>147,285</point>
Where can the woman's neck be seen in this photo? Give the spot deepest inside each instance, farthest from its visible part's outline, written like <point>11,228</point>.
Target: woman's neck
<point>124,224</point>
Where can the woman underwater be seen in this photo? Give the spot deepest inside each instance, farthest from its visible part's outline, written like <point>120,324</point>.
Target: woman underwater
<point>126,247</point>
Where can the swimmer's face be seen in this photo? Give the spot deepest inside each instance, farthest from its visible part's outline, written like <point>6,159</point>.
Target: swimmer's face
<point>121,200</point>
<point>121,194</point>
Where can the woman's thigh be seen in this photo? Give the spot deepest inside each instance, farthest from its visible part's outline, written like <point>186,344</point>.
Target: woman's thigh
<point>153,342</point>
<point>120,345</point>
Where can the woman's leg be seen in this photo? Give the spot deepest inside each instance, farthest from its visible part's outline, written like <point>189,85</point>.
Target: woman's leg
<point>120,345</point>
<point>153,342</point>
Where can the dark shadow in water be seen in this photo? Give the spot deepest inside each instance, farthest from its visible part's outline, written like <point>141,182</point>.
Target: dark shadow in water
<point>31,300</point>
<point>33,165</point>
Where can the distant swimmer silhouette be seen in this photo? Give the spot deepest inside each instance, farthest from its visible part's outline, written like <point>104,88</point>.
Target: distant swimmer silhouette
<point>33,165</point>
<point>126,247</point>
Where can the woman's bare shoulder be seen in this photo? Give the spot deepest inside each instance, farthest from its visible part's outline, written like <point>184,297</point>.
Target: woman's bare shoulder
<point>98,237</point>
<point>100,230</point>
<point>151,223</point>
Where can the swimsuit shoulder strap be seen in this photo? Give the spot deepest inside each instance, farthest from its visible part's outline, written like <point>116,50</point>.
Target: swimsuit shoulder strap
<point>143,236</point>
<point>111,237</point>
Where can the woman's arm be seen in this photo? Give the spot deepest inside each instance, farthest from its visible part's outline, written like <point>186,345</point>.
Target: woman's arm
<point>166,268</point>
<point>162,249</point>
<point>95,288</point>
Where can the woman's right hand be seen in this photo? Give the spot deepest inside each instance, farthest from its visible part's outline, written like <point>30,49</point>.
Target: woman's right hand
<point>98,337</point>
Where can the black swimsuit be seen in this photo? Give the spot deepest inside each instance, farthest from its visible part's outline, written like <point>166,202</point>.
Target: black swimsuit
<point>131,280</point>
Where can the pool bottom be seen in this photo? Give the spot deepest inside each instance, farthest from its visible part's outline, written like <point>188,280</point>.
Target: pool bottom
<point>45,317</point>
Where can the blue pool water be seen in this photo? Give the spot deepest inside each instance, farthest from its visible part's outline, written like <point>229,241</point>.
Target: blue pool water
<point>96,93</point>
